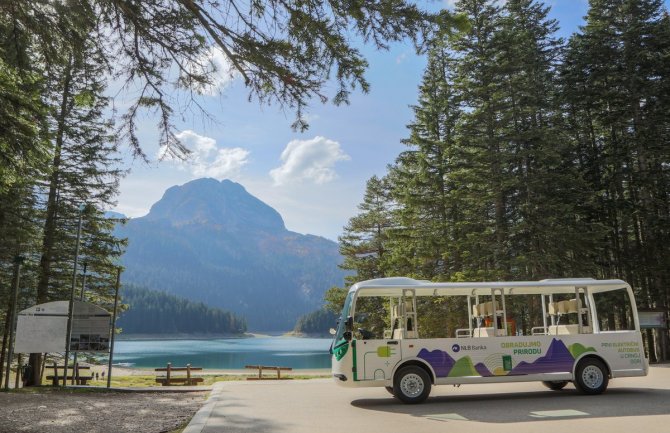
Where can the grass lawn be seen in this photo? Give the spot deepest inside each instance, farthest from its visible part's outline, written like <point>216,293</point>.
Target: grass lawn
<point>141,381</point>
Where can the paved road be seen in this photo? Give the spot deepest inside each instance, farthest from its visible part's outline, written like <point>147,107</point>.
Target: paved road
<point>631,405</point>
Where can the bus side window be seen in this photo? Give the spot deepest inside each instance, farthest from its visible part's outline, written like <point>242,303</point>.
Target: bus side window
<point>614,311</point>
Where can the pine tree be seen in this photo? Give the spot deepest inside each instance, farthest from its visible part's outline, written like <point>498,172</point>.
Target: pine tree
<point>424,244</point>
<point>478,82</point>
<point>82,182</point>
<point>548,236</point>
<point>363,242</point>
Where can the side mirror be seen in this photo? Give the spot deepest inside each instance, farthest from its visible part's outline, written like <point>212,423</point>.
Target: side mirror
<point>349,325</point>
<point>348,335</point>
<point>332,331</point>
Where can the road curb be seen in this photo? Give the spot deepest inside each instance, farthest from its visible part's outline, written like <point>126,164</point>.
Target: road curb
<point>199,420</point>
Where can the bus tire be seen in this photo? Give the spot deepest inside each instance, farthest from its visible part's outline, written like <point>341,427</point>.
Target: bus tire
<point>389,389</point>
<point>411,384</point>
<point>555,385</point>
<point>591,376</point>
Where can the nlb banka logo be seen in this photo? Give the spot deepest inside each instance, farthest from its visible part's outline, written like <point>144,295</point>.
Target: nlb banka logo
<point>456,348</point>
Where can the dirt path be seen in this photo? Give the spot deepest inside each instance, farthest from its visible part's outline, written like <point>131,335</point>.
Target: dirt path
<point>93,412</point>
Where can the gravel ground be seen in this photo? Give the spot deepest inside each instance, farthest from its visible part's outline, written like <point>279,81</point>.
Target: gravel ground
<point>93,412</point>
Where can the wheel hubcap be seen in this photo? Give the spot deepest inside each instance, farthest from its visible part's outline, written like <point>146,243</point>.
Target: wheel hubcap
<point>592,377</point>
<point>411,385</point>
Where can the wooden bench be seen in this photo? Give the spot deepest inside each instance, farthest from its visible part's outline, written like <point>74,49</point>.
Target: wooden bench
<point>260,369</point>
<point>76,378</point>
<point>169,379</point>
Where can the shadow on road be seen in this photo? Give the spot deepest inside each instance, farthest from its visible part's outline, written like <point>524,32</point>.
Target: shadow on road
<point>524,406</point>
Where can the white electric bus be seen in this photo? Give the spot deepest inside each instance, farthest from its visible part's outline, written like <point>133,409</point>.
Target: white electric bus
<point>408,335</point>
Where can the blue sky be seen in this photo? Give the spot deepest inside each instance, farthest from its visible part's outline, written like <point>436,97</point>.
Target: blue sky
<point>314,179</point>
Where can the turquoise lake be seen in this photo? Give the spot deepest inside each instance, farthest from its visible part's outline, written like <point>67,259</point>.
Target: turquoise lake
<point>225,353</point>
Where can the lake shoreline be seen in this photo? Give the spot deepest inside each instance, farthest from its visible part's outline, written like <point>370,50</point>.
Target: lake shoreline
<point>148,371</point>
<point>163,337</point>
<point>223,354</point>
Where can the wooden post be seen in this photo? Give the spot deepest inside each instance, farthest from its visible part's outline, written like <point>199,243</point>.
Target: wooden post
<point>70,314</point>
<point>260,371</point>
<point>169,368</point>
<point>113,326</point>
<point>278,373</point>
<point>11,318</point>
<point>18,373</point>
<point>42,369</point>
<point>55,379</point>
<point>188,374</point>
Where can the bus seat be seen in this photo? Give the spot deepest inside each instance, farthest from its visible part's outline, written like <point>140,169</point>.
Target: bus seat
<point>476,311</point>
<point>409,307</point>
<point>569,329</point>
<point>491,308</point>
<point>484,331</point>
<point>398,333</point>
<point>553,308</point>
<point>563,307</point>
<point>563,329</point>
<point>572,306</point>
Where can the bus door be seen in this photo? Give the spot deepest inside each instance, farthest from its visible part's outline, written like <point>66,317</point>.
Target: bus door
<point>378,353</point>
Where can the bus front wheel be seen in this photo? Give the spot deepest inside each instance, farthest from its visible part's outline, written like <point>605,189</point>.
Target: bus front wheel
<point>555,385</point>
<point>411,384</point>
<point>591,376</point>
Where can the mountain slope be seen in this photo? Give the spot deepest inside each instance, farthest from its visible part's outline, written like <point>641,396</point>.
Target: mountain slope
<point>213,242</point>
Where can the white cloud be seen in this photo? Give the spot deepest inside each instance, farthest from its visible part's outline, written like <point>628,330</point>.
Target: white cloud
<point>206,159</point>
<point>226,164</point>
<point>310,160</point>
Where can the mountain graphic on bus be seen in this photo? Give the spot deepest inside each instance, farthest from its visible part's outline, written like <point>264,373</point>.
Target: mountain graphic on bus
<point>463,367</point>
<point>440,360</point>
<point>558,358</point>
<point>483,370</point>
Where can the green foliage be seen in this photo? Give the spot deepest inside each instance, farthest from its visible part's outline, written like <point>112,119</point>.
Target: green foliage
<point>317,323</point>
<point>285,52</point>
<point>58,152</point>
<point>363,243</point>
<point>334,298</point>
<point>154,312</point>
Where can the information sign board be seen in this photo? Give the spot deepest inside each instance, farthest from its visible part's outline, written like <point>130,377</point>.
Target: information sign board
<point>42,328</point>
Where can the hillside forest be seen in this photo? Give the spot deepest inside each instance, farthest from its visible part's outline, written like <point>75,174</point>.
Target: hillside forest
<point>153,312</point>
<point>532,157</point>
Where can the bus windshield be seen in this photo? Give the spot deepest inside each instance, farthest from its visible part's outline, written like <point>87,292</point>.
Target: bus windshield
<point>341,322</point>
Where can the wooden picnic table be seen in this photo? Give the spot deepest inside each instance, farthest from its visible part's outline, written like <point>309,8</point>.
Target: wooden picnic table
<point>73,374</point>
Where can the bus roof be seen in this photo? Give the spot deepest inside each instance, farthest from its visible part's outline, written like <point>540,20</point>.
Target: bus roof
<point>394,286</point>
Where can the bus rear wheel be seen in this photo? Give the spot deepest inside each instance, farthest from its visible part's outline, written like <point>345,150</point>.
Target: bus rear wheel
<point>411,384</point>
<point>591,376</point>
<point>555,385</point>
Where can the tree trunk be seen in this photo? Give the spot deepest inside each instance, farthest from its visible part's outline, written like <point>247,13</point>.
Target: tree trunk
<point>51,213</point>
<point>5,337</point>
